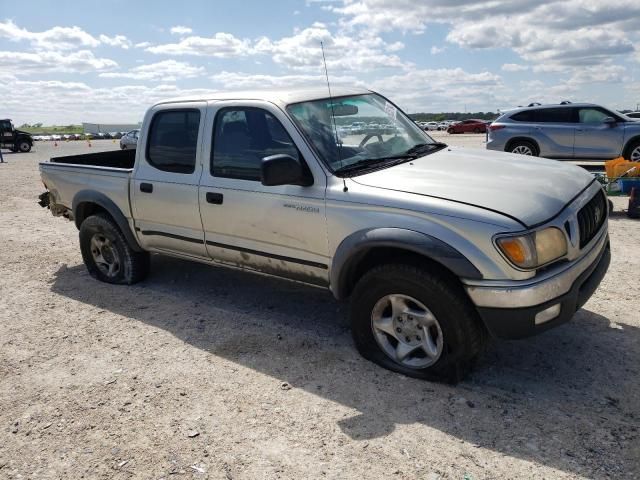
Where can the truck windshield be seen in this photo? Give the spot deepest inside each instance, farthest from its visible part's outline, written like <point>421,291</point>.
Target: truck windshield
<point>369,132</point>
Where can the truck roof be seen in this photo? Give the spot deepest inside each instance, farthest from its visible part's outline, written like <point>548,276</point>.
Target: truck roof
<point>280,97</point>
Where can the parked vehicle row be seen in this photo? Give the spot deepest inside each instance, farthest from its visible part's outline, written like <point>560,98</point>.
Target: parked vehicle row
<point>567,131</point>
<point>79,136</point>
<point>259,181</point>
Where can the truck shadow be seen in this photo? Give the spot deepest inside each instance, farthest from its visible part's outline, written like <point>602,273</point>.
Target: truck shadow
<point>566,399</point>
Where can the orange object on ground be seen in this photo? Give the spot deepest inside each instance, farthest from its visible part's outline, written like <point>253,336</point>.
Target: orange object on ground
<point>619,166</point>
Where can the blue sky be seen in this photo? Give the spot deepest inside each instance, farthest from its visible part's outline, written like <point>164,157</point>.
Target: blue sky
<point>67,62</point>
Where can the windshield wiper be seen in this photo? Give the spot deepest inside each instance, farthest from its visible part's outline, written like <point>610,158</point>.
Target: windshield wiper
<point>422,148</point>
<point>369,163</point>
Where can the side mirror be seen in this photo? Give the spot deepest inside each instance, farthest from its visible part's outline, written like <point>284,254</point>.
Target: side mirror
<point>609,120</point>
<point>283,169</point>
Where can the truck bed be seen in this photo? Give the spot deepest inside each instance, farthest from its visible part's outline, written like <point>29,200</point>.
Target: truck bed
<point>105,173</point>
<point>124,159</point>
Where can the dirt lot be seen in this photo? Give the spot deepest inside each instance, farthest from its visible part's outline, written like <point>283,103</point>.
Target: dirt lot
<point>210,373</point>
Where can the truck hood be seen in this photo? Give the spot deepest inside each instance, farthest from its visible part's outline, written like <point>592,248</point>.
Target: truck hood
<point>22,132</point>
<point>528,189</point>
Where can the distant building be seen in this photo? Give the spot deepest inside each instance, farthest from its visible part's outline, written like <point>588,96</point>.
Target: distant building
<point>109,127</point>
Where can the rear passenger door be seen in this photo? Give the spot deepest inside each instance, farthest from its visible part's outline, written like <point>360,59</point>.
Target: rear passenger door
<point>554,130</point>
<point>279,230</point>
<point>164,190</point>
<point>594,138</point>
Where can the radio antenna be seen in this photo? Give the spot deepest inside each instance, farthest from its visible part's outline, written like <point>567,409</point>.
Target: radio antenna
<point>333,116</point>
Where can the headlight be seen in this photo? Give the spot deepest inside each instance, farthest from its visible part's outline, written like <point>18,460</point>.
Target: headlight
<point>534,249</point>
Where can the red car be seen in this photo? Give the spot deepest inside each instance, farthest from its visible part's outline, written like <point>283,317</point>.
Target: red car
<point>468,126</point>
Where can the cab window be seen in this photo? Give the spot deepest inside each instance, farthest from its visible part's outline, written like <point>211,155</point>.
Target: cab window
<point>173,140</point>
<point>242,137</point>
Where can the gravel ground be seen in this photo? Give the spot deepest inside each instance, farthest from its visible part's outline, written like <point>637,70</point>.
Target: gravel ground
<point>211,373</point>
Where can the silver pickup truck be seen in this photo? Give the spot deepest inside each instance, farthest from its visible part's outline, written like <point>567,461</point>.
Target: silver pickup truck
<point>438,248</point>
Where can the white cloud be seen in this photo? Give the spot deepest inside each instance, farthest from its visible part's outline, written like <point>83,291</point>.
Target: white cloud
<point>181,30</point>
<point>57,102</point>
<point>436,50</point>
<point>544,32</point>
<point>238,80</point>
<point>60,38</point>
<point>56,38</point>
<point>83,61</point>
<point>301,51</point>
<point>514,67</point>
<point>167,71</point>
<point>116,41</point>
<point>220,45</point>
<point>443,89</point>
<point>143,44</point>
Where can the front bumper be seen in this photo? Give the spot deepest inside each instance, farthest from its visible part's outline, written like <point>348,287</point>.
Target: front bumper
<point>510,311</point>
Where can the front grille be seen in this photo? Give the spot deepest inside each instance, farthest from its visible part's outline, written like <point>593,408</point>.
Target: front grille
<point>591,217</point>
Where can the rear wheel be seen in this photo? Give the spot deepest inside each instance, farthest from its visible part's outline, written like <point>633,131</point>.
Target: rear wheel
<point>522,147</point>
<point>476,130</point>
<point>633,152</point>
<point>415,322</point>
<point>107,254</point>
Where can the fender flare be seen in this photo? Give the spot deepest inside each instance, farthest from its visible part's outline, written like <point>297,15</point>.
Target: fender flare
<point>100,199</point>
<point>355,246</point>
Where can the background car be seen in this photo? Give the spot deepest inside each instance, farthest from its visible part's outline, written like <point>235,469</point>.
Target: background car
<point>566,131</point>
<point>635,115</point>
<point>468,126</point>
<point>430,126</point>
<point>130,140</point>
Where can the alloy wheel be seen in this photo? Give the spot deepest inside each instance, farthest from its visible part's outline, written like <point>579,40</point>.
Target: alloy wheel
<point>522,150</point>
<point>407,331</point>
<point>105,255</point>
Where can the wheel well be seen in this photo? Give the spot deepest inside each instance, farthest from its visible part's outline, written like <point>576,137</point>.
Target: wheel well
<point>626,150</point>
<point>384,255</point>
<point>86,209</point>
<point>522,139</point>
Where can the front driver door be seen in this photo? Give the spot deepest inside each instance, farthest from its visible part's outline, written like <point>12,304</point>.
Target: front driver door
<point>279,230</point>
<point>594,138</point>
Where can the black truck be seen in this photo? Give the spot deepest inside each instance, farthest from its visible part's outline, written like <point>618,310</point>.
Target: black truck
<point>15,140</point>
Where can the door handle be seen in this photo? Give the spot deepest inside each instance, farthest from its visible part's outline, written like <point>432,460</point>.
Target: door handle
<point>146,187</point>
<point>215,198</point>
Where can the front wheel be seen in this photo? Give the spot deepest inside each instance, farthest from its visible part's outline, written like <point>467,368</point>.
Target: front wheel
<point>415,322</point>
<point>522,147</point>
<point>23,146</point>
<point>107,254</point>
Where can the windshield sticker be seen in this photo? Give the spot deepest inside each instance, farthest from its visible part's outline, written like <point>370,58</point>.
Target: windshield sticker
<point>390,110</point>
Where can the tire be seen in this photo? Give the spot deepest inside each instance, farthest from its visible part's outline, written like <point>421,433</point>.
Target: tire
<point>450,131</point>
<point>123,146</point>
<point>456,337</point>
<point>23,146</point>
<point>522,147</point>
<point>632,152</point>
<point>101,239</point>
<point>477,130</point>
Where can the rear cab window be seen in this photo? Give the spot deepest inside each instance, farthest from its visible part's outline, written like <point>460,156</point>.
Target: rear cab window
<point>173,140</point>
